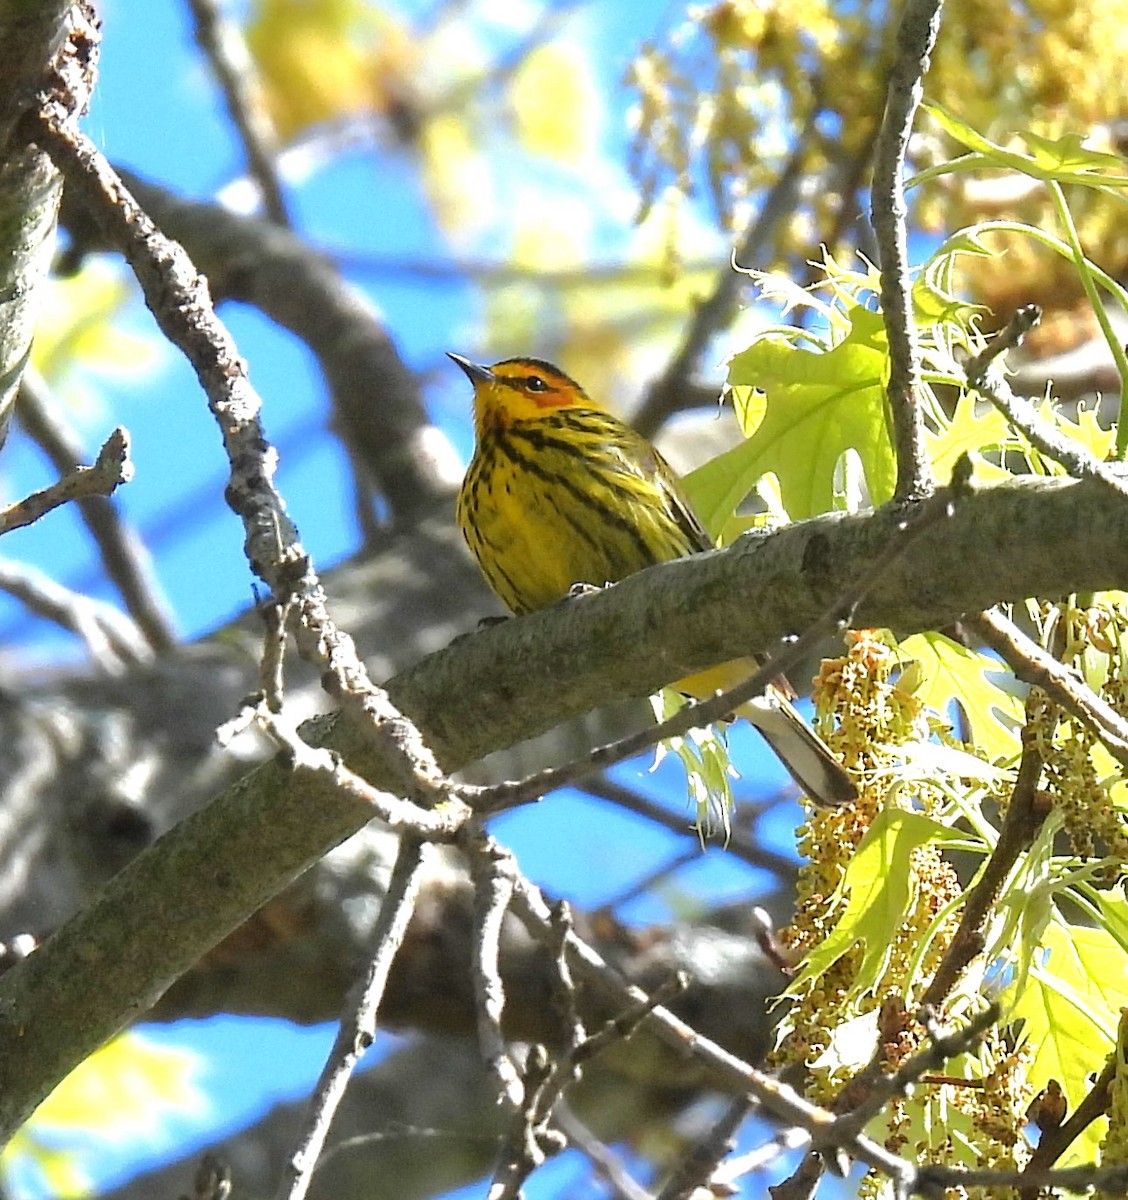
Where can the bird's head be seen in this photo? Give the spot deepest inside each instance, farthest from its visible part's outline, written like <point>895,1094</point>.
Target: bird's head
<point>519,389</point>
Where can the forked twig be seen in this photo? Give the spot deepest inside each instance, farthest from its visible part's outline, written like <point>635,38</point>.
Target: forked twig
<point>358,1020</point>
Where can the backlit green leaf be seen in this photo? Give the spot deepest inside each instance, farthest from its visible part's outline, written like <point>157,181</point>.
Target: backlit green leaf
<point>949,671</point>
<point>803,409</point>
<point>878,885</point>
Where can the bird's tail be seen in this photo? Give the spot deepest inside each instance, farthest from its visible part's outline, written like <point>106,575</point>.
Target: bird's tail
<point>808,759</point>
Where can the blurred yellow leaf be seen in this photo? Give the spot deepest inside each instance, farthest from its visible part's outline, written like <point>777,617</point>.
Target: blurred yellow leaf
<point>125,1091</point>
<point>552,231</point>
<point>79,326</point>
<point>457,176</point>
<point>555,102</point>
<point>324,59</point>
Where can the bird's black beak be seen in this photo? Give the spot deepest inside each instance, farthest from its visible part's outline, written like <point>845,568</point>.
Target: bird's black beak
<point>475,372</point>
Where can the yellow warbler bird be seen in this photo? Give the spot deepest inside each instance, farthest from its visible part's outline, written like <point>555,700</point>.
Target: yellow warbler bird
<point>560,492</point>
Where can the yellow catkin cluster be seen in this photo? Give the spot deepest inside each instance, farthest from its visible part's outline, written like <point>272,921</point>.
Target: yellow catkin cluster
<point>999,1111</point>
<point>875,717</point>
<point>1073,774</point>
<point>1114,1145</point>
<point>714,95</point>
<point>988,1115</point>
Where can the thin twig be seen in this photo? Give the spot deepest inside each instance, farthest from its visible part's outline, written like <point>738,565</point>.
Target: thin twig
<point>405,455</point>
<point>451,267</point>
<point>606,1163</point>
<point>763,1156</point>
<point>493,870</point>
<point>623,1026</point>
<point>916,36</point>
<point>1035,666</point>
<point>124,557</point>
<point>871,1089</point>
<point>649,881</point>
<point>1023,819</point>
<point>532,1096</point>
<point>222,42</point>
<point>1021,414</point>
<point>777,1098</point>
<point>272,663</point>
<point>698,1168</point>
<point>440,824</point>
<point>111,638</point>
<point>529,1142</point>
<point>111,469</point>
<point>532,1138</point>
<point>740,843</point>
<point>358,1021</point>
<point>563,985</point>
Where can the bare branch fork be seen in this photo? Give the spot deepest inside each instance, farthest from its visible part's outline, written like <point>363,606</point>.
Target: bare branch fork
<point>178,298</point>
<point>1024,417</point>
<point>112,640</point>
<point>358,1025</point>
<point>111,469</point>
<point>124,557</point>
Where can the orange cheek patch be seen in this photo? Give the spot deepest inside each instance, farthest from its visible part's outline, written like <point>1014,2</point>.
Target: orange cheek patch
<point>547,399</point>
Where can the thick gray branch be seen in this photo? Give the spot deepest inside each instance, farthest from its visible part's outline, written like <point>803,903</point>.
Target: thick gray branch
<point>31,35</point>
<point>202,879</point>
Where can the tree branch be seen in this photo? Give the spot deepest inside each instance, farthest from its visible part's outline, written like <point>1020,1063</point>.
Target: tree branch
<point>915,39</point>
<point>53,35</point>
<point>669,394</point>
<point>1033,665</point>
<point>124,557</point>
<point>1023,416</point>
<point>358,1024</point>
<point>378,410</point>
<point>111,639</point>
<point>1023,819</point>
<point>487,691</point>
<point>111,469</point>
<point>222,42</point>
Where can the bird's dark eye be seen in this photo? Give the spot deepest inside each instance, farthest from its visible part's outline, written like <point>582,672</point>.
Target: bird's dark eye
<point>535,383</point>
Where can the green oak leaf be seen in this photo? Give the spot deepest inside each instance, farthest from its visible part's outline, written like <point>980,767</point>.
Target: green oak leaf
<point>803,409</point>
